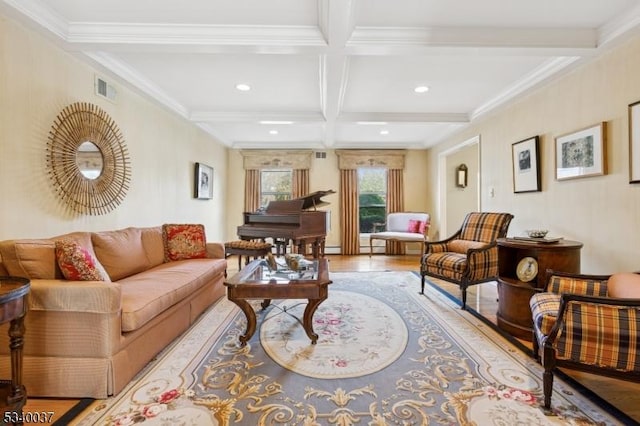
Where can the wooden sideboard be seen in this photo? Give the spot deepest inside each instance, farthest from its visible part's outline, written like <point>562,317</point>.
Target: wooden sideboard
<point>514,313</point>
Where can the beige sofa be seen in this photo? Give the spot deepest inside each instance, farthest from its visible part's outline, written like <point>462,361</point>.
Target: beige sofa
<point>89,338</point>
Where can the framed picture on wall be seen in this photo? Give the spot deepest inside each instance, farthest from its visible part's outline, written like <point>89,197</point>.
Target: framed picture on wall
<point>634,142</point>
<point>581,153</point>
<point>203,182</point>
<point>526,165</point>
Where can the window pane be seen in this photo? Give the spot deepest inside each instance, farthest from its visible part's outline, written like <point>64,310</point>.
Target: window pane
<point>372,193</point>
<point>275,185</point>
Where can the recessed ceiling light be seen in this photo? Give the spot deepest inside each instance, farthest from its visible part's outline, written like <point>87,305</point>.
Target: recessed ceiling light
<point>421,89</point>
<point>384,132</point>
<point>275,122</point>
<point>273,132</point>
<point>243,87</point>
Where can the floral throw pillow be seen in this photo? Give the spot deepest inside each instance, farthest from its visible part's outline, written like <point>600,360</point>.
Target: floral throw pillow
<point>77,263</point>
<point>187,241</point>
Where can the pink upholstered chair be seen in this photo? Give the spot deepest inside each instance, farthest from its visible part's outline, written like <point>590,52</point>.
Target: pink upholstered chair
<point>588,323</point>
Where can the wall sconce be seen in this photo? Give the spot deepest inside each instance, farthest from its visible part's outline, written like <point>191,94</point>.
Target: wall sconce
<point>461,176</point>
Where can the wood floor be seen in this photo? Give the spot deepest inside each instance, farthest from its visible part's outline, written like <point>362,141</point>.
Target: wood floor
<point>623,395</point>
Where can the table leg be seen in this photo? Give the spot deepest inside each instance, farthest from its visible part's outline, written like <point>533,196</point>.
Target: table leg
<point>307,321</point>
<point>265,303</point>
<point>250,314</point>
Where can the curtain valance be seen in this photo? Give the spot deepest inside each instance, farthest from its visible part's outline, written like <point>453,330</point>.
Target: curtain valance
<point>276,159</point>
<point>358,158</point>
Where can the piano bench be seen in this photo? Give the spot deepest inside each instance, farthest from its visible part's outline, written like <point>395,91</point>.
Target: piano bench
<point>246,248</point>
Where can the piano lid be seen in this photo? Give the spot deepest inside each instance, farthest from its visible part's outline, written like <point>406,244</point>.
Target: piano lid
<point>314,199</point>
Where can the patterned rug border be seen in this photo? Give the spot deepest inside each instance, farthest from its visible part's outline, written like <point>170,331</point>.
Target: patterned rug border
<point>153,365</point>
<point>579,387</point>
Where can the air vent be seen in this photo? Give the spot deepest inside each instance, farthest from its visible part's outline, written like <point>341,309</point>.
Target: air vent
<point>105,89</point>
<point>321,154</point>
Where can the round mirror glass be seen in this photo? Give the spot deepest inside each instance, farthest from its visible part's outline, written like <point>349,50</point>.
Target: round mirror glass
<point>89,160</point>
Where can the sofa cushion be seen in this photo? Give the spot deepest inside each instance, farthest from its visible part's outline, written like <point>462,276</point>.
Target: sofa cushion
<point>149,293</point>
<point>184,241</point>
<point>121,252</point>
<point>30,258</point>
<point>78,263</point>
<point>153,245</point>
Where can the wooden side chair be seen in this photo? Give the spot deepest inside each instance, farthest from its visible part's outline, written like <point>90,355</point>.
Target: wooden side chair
<point>470,256</point>
<point>589,323</point>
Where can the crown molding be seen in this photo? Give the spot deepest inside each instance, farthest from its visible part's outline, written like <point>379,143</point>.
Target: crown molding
<point>182,34</point>
<point>550,68</point>
<point>256,116</point>
<point>476,37</point>
<point>134,78</point>
<point>415,117</point>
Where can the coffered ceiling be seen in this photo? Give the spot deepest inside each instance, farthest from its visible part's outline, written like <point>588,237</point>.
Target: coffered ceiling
<point>331,73</point>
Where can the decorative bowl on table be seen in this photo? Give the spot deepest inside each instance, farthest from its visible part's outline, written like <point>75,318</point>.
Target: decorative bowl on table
<point>537,233</point>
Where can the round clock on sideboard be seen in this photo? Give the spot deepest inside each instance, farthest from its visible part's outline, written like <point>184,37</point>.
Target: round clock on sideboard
<point>522,266</point>
<point>527,269</point>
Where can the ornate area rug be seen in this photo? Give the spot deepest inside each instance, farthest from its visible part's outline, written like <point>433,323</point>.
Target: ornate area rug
<point>386,356</point>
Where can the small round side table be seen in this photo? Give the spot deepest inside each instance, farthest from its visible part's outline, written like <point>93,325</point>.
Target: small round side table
<point>13,308</point>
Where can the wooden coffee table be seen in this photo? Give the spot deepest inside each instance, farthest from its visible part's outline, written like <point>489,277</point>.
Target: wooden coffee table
<point>255,281</point>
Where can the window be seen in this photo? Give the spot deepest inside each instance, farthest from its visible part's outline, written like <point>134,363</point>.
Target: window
<point>372,197</point>
<point>275,185</point>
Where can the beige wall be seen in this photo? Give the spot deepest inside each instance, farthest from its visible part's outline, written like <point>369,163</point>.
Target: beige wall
<point>37,80</point>
<point>460,201</point>
<point>602,211</point>
<point>324,175</point>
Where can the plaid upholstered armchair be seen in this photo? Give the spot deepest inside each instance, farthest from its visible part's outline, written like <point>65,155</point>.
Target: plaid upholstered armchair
<point>588,323</point>
<point>470,256</point>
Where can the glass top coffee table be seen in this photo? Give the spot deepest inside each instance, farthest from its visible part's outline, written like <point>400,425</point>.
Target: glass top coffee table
<point>257,281</point>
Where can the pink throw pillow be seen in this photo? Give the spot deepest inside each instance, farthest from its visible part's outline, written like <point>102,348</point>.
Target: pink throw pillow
<point>417,226</point>
<point>184,242</point>
<point>77,263</point>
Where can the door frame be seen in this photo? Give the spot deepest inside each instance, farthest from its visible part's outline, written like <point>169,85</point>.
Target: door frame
<point>443,177</point>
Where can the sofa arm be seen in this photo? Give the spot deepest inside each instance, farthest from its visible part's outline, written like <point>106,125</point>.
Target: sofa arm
<point>215,250</point>
<point>75,296</point>
<point>597,331</point>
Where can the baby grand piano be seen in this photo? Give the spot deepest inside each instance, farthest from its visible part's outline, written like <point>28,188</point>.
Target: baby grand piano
<point>294,220</point>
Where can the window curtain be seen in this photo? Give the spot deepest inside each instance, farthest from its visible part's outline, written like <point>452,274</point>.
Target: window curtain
<point>300,187</point>
<point>251,190</point>
<point>349,223</point>
<point>395,203</point>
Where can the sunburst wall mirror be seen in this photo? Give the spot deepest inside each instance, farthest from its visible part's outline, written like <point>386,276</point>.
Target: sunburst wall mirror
<point>87,159</point>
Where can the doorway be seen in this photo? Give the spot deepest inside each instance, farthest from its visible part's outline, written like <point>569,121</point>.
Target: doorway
<point>454,201</point>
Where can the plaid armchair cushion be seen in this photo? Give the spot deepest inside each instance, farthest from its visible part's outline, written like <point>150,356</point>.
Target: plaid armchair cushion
<point>446,264</point>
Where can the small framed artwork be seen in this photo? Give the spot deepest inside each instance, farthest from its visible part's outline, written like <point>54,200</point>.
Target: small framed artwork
<point>634,142</point>
<point>203,182</point>
<point>526,165</point>
<point>581,153</point>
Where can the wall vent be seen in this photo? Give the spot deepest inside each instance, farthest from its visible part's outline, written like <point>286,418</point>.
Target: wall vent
<point>106,90</point>
<point>321,154</point>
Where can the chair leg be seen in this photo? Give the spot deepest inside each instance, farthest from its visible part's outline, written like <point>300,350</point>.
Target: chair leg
<point>464,297</point>
<point>548,361</point>
<point>547,386</point>
<point>422,285</point>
